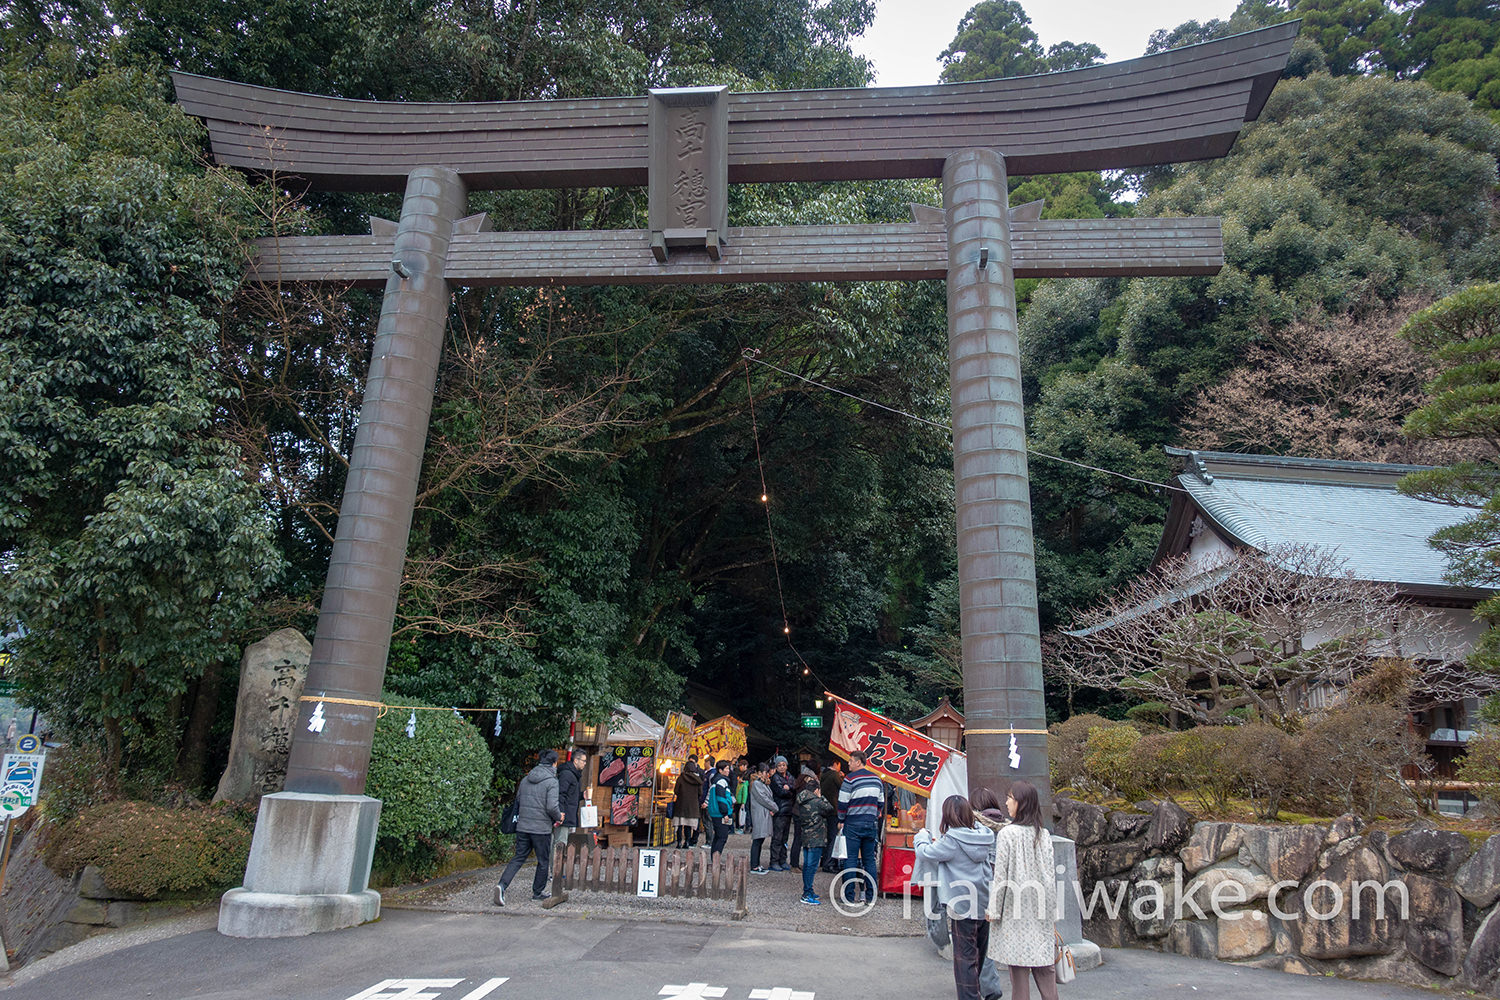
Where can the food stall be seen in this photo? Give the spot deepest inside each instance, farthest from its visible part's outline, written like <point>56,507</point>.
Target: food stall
<point>909,763</point>
<point>671,752</point>
<point>719,738</point>
<point>623,774</point>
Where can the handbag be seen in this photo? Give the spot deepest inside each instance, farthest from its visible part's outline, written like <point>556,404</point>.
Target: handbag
<point>1067,969</point>
<point>508,818</point>
<point>840,848</point>
<point>588,816</point>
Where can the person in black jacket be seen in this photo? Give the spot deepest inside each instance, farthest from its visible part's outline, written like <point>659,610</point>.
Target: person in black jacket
<point>569,798</point>
<point>829,783</point>
<point>782,785</point>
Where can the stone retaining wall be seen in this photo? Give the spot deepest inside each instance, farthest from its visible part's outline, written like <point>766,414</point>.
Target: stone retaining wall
<point>44,912</point>
<point>1277,888</point>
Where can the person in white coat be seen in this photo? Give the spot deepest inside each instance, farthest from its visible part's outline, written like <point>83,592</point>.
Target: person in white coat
<point>1023,898</point>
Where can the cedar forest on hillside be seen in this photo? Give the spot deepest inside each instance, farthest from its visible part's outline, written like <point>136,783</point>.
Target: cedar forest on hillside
<point>173,444</point>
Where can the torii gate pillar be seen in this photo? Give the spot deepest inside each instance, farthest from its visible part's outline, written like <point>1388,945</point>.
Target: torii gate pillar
<point>996,560</point>
<point>309,867</point>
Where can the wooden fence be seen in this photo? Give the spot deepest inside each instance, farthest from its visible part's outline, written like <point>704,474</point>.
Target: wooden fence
<point>681,874</point>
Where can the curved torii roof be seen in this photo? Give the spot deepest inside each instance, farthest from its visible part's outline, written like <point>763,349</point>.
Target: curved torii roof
<point>1183,104</point>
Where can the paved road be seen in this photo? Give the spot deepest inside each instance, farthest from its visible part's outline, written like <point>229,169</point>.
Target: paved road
<point>411,955</point>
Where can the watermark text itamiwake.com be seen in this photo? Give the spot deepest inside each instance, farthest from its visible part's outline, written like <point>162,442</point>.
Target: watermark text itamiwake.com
<point>1152,900</point>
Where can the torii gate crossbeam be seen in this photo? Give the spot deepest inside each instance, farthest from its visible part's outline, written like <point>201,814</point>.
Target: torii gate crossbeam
<point>309,862</point>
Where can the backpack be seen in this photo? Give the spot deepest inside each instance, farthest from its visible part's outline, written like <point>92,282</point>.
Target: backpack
<point>508,818</point>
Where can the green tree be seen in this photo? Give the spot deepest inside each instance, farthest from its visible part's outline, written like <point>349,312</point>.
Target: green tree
<point>1462,335</point>
<point>995,39</point>
<point>134,540</point>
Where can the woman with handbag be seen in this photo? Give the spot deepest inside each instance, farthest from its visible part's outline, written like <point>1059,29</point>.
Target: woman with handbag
<point>961,854</point>
<point>1023,898</point>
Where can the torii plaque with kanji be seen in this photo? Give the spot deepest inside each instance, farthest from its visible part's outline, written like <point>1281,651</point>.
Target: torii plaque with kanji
<point>687,146</point>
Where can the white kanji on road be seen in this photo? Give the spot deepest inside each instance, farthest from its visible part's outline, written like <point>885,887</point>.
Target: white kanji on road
<point>693,991</point>
<point>781,993</point>
<point>406,989</point>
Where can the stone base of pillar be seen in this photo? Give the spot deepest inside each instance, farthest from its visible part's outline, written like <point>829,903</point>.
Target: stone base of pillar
<point>309,867</point>
<point>1086,954</point>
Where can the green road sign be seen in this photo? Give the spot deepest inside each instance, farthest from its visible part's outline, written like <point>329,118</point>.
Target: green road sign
<point>812,722</point>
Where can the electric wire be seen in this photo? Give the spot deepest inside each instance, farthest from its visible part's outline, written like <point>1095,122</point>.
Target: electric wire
<point>749,355</point>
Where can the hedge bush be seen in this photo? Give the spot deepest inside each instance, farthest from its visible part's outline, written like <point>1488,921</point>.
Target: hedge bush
<point>150,851</point>
<point>432,786</point>
<point>1346,760</point>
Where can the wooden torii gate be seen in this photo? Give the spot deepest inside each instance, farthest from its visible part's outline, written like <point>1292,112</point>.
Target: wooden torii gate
<point>310,861</point>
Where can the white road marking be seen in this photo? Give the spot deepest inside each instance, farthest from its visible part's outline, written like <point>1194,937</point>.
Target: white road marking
<point>406,989</point>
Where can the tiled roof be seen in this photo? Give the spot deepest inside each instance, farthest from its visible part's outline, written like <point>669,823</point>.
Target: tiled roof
<point>1351,508</point>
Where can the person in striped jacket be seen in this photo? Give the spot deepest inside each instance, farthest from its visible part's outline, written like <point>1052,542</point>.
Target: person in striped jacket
<point>861,807</point>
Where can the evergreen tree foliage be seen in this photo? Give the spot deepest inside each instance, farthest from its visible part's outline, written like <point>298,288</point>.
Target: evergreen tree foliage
<point>1462,334</point>
<point>134,540</point>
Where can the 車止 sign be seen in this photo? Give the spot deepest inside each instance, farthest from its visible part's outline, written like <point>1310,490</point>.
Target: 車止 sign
<point>899,755</point>
<point>648,874</point>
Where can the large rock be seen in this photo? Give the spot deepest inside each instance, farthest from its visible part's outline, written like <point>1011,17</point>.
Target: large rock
<point>1210,843</point>
<point>1193,938</point>
<point>1171,826</point>
<point>1104,922</point>
<point>1482,966</point>
<point>1285,853</point>
<point>1225,888</point>
<point>1127,826</point>
<point>1431,852</point>
<point>1080,822</point>
<point>1435,925</point>
<point>1478,879</point>
<point>272,673</point>
<point>1243,934</point>
<point>1353,878</point>
<point>1153,896</point>
<point>1103,860</point>
<point>1346,826</point>
<point>1397,968</point>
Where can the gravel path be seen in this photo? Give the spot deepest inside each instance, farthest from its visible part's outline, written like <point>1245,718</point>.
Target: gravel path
<point>773,902</point>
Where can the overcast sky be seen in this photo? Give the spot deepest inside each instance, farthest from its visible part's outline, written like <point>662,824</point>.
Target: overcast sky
<point>907,35</point>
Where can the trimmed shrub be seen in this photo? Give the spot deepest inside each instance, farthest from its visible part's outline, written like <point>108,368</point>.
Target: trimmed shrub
<point>1353,758</point>
<point>151,851</point>
<point>1065,748</point>
<point>1107,760</point>
<point>75,781</point>
<point>431,785</point>
<point>1197,758</point>
<point>1151,764</point>
<point>1264,762</point>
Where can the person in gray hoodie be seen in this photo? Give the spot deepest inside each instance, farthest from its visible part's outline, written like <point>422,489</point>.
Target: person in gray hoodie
<point>537,814</point>
<point>962,855</point>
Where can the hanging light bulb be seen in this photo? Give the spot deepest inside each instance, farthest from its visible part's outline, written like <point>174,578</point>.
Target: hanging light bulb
<point>787,629</point>
<point>764,498</point>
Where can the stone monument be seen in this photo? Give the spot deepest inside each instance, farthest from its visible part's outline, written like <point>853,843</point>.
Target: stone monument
<point>272,673</point>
